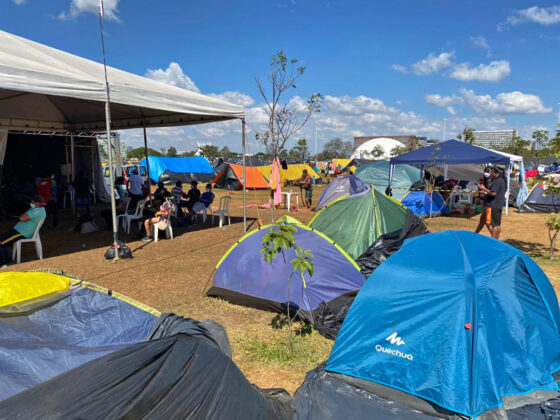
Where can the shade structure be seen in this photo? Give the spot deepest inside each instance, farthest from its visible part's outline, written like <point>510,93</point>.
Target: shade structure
<point>469,333</point>
<point>340,186</point>
<point>424,204</point>
<point>231,177</point>
<point>450,152</point>
<point>293,172</point>
<point>70,349</point>
<point>42,88</point>
<point>185,169</point>
<point>375,173</point>
<point>243,277</point>
<point>356,222</point>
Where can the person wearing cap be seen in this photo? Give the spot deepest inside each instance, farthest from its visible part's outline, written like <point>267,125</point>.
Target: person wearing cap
<point>27,224</point>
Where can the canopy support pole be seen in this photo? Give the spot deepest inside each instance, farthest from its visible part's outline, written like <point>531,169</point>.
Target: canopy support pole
<point>110,148</point>
<point>445,171</point>
<point>147,162</point>
<point>507,186</point>
<point>244,177</point>
<point>73,167</point>
<point>3,146</point>
<point>93,174</point>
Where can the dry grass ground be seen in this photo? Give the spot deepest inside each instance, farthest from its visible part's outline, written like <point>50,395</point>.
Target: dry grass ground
<point>171,276</point>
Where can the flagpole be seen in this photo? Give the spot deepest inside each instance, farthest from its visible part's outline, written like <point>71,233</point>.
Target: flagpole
<point>108,129</point>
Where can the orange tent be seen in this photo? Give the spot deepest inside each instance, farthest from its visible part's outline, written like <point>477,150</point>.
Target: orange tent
<point>231,176</point>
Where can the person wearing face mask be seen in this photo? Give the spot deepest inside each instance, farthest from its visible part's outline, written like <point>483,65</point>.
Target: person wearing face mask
<point>203,202</point>
<point>484,183</point>
<point>27,224</point>
<point>495,201</point>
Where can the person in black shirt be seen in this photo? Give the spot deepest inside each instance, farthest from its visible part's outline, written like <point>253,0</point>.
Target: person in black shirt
<point>193,195</point>
<point>495,200</point>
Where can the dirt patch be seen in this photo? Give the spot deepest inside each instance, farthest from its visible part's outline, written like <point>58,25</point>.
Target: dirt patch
<point>172,275</point>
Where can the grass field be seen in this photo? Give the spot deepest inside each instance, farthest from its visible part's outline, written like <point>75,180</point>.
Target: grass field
<point>171,276</point>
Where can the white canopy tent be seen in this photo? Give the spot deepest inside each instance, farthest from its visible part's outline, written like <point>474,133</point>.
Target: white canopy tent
<point>43,89</point>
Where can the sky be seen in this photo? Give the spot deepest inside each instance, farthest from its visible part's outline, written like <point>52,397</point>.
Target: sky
<point>395,67</point>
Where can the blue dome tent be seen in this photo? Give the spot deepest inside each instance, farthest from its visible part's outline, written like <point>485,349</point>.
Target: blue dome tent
<point>341,186</point>
<point>423,203</point>
<point>243,277</point>
<point>375,173</point>
<point>474,331</point>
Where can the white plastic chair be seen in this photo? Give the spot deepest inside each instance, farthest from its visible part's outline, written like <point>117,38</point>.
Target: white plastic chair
<point>122,217</point>
<point>35,238</point>
<point>168,231</point>
<point>138,214</point>
<point>223,211</point>
<point>204,212</point>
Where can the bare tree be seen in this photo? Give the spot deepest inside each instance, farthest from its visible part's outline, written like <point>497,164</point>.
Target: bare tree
<point>284,120</point>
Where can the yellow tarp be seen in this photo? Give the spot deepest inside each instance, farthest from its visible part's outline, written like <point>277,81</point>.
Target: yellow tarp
<point>18,287</point>
<point>291,174</point>
<point>343,163</point>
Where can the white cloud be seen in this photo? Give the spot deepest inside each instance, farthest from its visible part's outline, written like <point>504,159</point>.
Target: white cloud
<point>504,103</point>
<point>399,68</point>
<point>480,41</point>
<point>540,15</point>
<point>451,110</point>
<point>18,2</point>
<point>173,75</point>
<point>77,7</point>
<point>432,63</point>
<point>493,72</point>
<point>236,98</point>
<point>210,131</point>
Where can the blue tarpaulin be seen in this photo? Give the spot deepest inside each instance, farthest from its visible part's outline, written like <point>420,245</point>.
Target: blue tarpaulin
<point>472,321</point>
<point>178,165</point>
<point>81,327</point>
<point>422,203</point>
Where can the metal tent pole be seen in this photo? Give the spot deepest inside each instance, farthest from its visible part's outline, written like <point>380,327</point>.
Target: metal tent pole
<point>244,177</point>
<point>147,162</point>
<point>108,128</point>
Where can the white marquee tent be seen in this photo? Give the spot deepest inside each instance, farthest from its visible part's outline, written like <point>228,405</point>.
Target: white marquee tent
<point>43,89</point>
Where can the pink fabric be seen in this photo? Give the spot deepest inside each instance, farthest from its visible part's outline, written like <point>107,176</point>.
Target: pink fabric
<point>275,182</point>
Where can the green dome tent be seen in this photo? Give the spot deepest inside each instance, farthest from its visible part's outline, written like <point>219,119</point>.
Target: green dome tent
<point>358,221</point>
<point>377,174</point>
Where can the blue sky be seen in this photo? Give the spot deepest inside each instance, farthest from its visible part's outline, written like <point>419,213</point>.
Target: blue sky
<point>397,67</point>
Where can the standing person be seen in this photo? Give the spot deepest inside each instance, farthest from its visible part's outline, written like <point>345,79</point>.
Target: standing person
<point>27,224</point>
<point>305,182</point>
<point>82,187</point>
<point>134,186</point>
<point>495,200</point>
<point>485,182</point>
<point>47,190</point>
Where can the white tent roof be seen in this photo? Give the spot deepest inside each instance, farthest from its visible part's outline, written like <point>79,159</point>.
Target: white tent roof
<point>512,158</point>
<point>42,88</point>
<point>364,150</point>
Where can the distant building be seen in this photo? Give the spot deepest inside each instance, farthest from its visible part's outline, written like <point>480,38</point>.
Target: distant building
<point>494,138</point>
<point>425,141</point>
<point>406,140</point>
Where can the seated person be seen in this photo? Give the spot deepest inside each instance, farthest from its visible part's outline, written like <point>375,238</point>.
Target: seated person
<point>162,215</point>
<point>178,193</point>
<point>204,202</point>
<point>27,224</point>
<point>193,195</point>
<point>160,192</point>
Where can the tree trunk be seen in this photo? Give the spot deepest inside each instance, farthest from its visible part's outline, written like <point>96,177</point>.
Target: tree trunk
<point>552,246</point>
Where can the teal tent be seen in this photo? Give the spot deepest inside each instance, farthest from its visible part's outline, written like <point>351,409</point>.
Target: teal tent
<point>377,174</point>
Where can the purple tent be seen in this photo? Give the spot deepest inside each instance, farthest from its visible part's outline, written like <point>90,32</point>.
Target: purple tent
<point>243,277</point>
<point>342,185</point>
